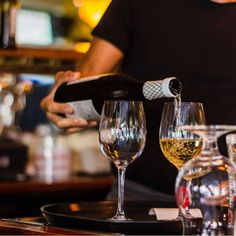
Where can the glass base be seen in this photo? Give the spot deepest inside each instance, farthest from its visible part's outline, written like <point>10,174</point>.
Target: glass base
<point>119,218</point>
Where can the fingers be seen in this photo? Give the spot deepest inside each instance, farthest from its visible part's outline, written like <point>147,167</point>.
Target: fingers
<point>68,122</point>
<point>48,103</point>
<point>72,122</point>
<point>53,107</point>
<point>91,124</point>
<point>67,76</point>
<point>54,110</point>
<point>63,77</point>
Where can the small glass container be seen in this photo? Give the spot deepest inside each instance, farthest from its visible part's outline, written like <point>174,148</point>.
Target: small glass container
<point>8,14</point>
<point>50,155</point>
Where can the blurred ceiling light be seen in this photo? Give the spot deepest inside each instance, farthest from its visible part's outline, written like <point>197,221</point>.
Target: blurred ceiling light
<point>82,47</point>
<point>91,11</point>
<point>78,3</point>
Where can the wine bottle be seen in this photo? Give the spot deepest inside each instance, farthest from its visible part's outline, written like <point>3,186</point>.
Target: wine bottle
<point>87,95</point>
<point>8,12</point>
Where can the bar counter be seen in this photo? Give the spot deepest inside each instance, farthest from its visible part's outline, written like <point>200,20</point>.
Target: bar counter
<point>24,199</point>
<point>91,221</point>
<point>13,228</point>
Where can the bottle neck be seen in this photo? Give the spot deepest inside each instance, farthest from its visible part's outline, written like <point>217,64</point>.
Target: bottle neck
<point>161,88</point>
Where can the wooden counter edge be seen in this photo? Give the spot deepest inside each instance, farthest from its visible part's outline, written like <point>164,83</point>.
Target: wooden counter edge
<point>13,228</point>
<point>78,184</point>
<point>42,52</point>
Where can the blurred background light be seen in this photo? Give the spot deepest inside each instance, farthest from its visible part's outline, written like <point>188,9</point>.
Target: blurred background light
<point>82,47</point>
<point>91,11</point>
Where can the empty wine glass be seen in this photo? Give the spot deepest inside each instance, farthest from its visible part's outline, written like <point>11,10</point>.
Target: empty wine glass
<point>178,145</point>
<point>203,182</point>
<point>122,136</point>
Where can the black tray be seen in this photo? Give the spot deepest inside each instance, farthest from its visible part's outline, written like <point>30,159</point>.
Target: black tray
<point>95,215</point>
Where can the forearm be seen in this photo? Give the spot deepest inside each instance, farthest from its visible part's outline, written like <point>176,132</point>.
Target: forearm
<point>102,57</point>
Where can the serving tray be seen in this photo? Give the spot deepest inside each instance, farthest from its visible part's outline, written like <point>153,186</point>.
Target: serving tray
<point>95,216</point>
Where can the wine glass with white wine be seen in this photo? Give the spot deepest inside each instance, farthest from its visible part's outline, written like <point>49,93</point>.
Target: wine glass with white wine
<point>178,145</point>
<point>122,136</point>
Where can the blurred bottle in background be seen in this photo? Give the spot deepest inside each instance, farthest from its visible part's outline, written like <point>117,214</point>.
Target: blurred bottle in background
<point>50,156</point>
<point>13,93</point>
<point>87,158</point>
<point>13,153</point>
<point>8,13</point>
<point>231,147</point>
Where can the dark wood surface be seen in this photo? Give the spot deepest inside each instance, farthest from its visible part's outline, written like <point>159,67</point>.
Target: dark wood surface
<point>39,60</point>
<point>42,52</point>
<point>24,199</point>
<point>142,223</point>
<point>8,227</point>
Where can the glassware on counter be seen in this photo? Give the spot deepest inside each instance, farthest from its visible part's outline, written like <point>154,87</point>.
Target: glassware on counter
<point>12,101</point>
<point>203,182</point>
<point>122,136</point>
<point>231,147</point>
<point>50,155</point>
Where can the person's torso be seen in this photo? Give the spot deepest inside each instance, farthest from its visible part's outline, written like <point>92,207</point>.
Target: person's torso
<point>194,40</point>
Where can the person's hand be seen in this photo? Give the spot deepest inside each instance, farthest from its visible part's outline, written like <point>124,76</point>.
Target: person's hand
<point>223,1</point>
<point>57,112</point>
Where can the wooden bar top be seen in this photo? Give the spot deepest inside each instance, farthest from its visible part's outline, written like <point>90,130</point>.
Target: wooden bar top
<point>42,52</point>
<point>72,184</point>
<point>8,227</point>
<point>38,60</point>
<point>24,199</point>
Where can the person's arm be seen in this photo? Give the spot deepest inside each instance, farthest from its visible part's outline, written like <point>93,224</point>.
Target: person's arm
<point>102,57</point>
<point>223,1</point>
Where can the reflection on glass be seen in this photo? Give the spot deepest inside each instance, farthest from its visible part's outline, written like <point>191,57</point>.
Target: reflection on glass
<point>203,182</point>
<point>122,136</point>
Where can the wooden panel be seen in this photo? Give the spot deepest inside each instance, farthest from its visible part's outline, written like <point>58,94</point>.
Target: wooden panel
<point>42,52</point>
<point>24,199</point>
<point>39,60</point>
<point>11,228</point>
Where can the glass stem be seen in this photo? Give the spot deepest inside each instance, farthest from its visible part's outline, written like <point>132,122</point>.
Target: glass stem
<point>180,215</point>
<point>121,182</point>
<point>210,145</point>
<point>187,213</point>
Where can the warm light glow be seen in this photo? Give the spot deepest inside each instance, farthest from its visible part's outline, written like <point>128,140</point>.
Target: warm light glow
<point>74,207</point>
<point>91,11</point>
<point>78,3</point>
<point>82,47</point>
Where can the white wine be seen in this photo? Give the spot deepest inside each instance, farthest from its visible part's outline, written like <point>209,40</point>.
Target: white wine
<point>180,150</point>
<point>87,95</point>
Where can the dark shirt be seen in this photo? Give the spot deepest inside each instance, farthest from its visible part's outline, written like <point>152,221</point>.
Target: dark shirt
<point>194,40</point>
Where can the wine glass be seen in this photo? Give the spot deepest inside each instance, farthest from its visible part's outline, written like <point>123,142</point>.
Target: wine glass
<point>203,182</point>
<point>178,145</point>
<point>122,137</point>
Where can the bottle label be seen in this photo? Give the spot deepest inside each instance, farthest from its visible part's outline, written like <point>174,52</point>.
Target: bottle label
<point>85,110</point>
